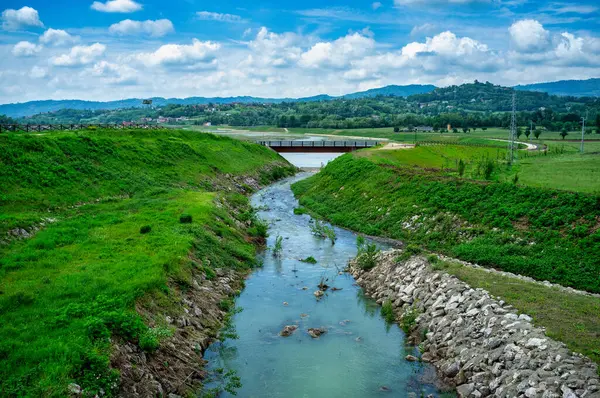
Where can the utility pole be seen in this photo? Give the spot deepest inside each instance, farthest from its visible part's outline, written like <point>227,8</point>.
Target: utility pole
<point>582,130</point>
<point>530,129</point>
<point>513,129</point>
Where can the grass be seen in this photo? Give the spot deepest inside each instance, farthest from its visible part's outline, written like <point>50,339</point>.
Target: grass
<point>73,286</point>
<point>545,234</point>
<point>567,317</point>
<point>572,172</point>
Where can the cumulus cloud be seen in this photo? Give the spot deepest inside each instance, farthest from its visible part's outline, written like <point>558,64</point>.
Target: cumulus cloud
<point>123,6</point>
<point>57,37</point>
<point>528,35</point>
<point>80,55</point>
<point>38,72</point>
<point>422,29</point>
<point>158,28</point>
<point>338,53</point>
<point>21,18</point>
<point>26,49</point>
<point>273,49</point>
<point>113,73</point>
<point>215,16</point>
<point>180,54</point>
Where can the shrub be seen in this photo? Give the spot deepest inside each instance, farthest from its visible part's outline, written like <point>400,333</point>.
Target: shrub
<point>226,305</point>
<point>409,320</point>
<point>387,311</point>
<point>323,231</point>
<point>145,229</point>
<point>367,254</point>
<point>299,211</point>
<point>185,219</point>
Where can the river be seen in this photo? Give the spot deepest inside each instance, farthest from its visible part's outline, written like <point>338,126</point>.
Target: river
<point>359,356</point>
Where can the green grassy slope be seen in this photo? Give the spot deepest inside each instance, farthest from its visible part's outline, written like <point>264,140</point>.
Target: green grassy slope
<point>72,286</point>
<point>545,234</point>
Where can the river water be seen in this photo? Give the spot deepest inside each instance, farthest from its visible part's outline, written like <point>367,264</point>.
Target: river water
<point>359,356</point>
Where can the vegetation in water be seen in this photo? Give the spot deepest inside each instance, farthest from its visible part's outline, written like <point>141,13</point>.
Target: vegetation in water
<point>278,247</point>
<point>322,230</point>
<point>309,259</point>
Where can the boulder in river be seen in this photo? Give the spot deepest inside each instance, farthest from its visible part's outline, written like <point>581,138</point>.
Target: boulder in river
<point>316,332</point>
<point>318,293</point>
<point>288,330</point>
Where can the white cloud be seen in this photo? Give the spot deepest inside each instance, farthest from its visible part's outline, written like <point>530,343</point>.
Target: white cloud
<point>80,55</point>
<point>26,49</point>
<point>23,17</point>
<point>422,29</point>
<point>113,73</point>
<point>272,49</point>
<point>215,16</point>
<point>123,6</point>
<point>38,72</point>
<point>376,5</point>
<point>57,37</point>
<point>337,53</point>
<point>158,28</point>
<point>180,54</point>
<point>528,35</point>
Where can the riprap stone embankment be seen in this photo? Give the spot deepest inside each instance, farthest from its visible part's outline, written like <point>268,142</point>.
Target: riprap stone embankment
<point>477,342</point>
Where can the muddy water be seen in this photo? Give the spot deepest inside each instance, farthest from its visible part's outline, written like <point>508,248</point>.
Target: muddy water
<point>359,356</point>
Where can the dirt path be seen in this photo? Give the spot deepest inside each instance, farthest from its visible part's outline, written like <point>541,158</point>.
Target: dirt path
<point>530,147</point>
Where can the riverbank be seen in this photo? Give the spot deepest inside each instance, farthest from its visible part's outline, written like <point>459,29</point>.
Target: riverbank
<point>479,343</point>
<point>121,252</point>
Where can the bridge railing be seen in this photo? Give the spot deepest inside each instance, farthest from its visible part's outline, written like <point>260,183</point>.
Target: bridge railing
<point>33,128</point>
<point>320,144</point>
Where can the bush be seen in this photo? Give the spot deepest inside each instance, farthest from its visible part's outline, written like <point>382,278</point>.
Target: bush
<point>226,305</point>
<point>145,229</point>
<point>309,259</point>
<point>387,311</point>
<point>299,211</point>
<point>367,254</point>
<point>409,320</point>
<point>185,219</point>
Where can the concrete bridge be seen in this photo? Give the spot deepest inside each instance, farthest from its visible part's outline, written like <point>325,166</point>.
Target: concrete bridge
<point>318,146</point>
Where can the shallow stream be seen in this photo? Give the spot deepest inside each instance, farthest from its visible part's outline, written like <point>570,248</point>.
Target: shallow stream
<point>359,356</point>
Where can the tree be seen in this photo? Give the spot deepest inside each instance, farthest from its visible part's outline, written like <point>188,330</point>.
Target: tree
<point>564,132</point>
<point>519,132</point>
<point>527,133</point>
<point>396,129</point>
<point>536,133</point>
<point>598,122</point>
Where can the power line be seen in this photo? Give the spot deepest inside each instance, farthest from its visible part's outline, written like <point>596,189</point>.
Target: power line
<point>513,129</point>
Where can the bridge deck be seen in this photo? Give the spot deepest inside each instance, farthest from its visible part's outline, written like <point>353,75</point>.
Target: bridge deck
<point>318,146</point>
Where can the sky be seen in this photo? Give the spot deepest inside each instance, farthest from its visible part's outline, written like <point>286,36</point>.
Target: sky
<point>115,49</point>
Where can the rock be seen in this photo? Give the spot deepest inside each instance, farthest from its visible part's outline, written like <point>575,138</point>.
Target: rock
<point>285,303</point>
<point>531,392</point>
<point>452,370</point>
<point>464,390</point>
<point>318,293</point>
<point>316,332</point>
<point>288,330</point>
<point>535,343</point>
<point>74,389</point>
<point>385,389</point>
<point>411,358</point>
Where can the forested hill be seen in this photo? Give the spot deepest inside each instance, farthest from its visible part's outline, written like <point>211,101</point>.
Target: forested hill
<point>36,107</point>
<point>577,88</point>
<point>488,97</point>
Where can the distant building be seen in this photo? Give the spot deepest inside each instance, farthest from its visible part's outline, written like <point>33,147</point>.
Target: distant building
<point>449,127</point>
<point>425,129</point>
<point>207,124</point>
<point>127,124</point>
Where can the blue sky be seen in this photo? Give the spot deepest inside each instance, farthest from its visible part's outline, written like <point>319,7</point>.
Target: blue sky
<point>112,49</point>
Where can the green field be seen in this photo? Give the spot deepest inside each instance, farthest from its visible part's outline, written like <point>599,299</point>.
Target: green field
<point>73,286</point>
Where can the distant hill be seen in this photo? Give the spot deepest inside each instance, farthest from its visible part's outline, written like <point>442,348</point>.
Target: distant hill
<point>575,88</point>
<point>35,107</point>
